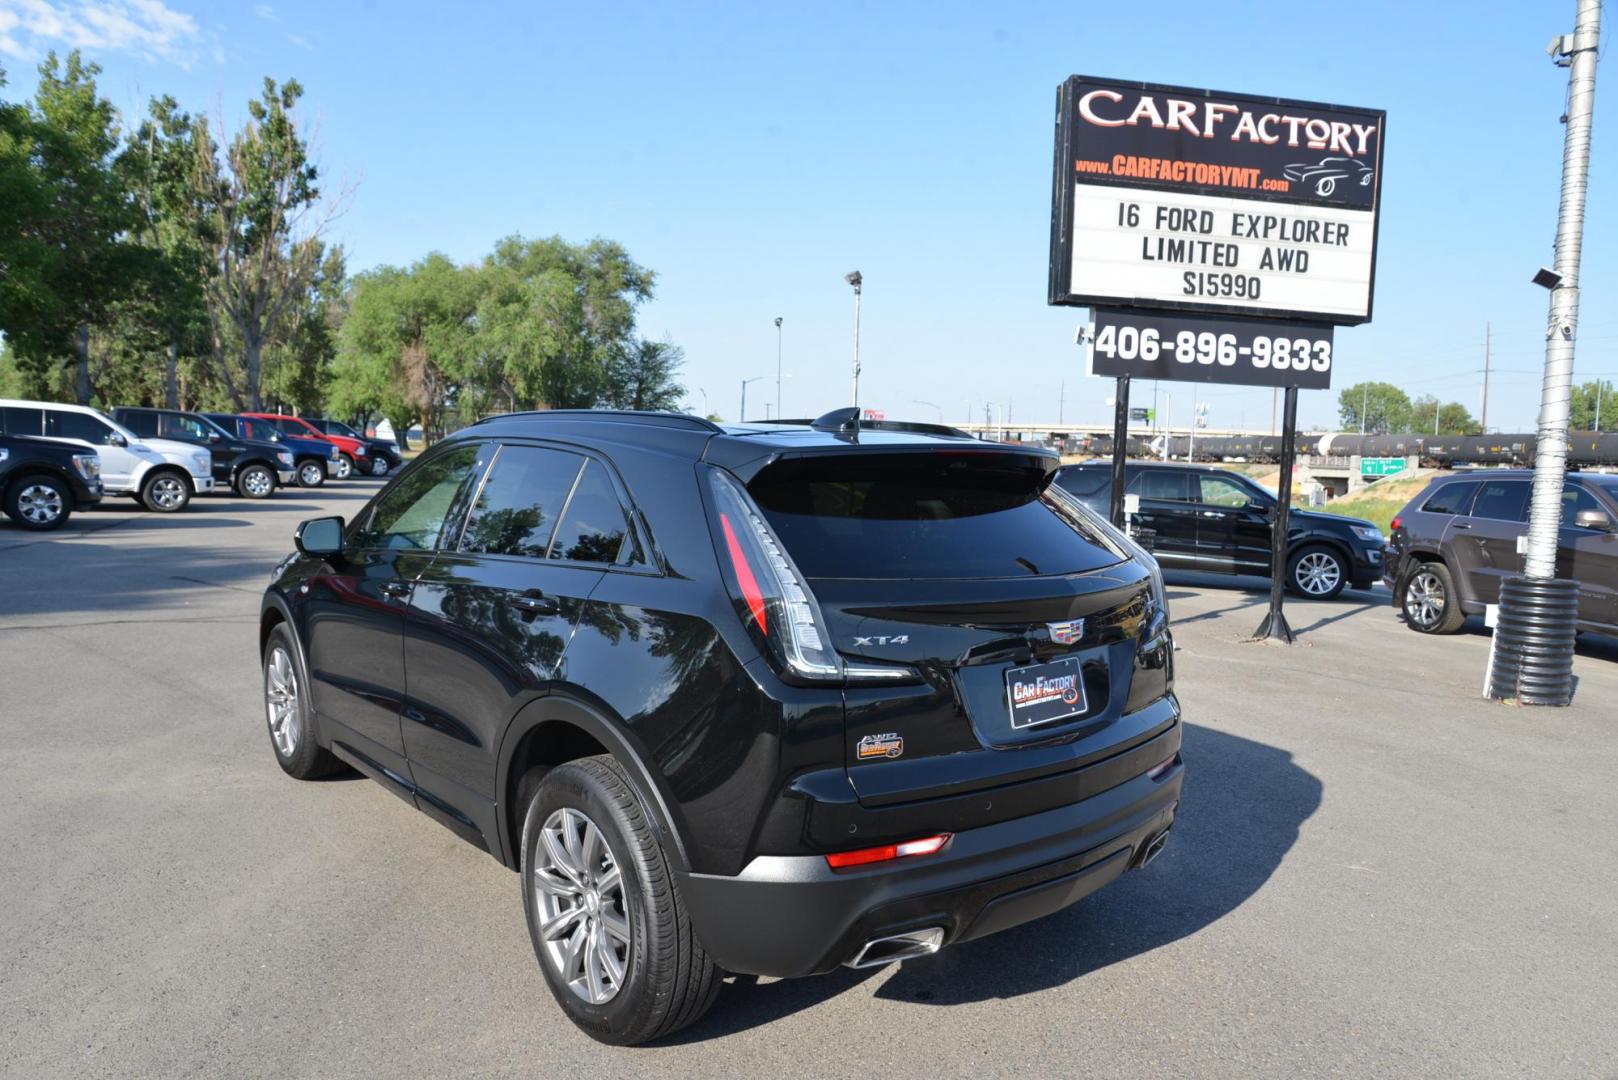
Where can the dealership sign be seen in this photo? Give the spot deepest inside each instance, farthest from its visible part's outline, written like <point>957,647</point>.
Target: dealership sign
<point>1201,348</point>
<point>1197,201</point>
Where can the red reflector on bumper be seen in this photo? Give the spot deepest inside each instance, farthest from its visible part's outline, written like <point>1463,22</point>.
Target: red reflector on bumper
<point>1161,767</point>
<point>842,860</point>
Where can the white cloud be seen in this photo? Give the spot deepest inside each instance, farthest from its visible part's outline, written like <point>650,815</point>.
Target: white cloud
<point>301,42</point>
<point>265,12</point>
<point>148,28</point>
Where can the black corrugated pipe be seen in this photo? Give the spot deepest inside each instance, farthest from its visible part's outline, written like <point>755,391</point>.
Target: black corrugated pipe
<point>1533,643</point>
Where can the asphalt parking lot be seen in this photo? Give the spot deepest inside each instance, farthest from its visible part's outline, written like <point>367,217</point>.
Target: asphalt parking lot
<point>1374,872</point>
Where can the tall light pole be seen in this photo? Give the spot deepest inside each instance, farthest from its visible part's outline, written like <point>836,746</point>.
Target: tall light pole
<point>778,413</point>
<point>931,405</point>
<point>742,416</point>
<point>855,280</point>
<point>1531,660</point>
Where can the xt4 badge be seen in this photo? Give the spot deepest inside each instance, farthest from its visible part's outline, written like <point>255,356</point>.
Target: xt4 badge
<point>889,745</point>
<point>897,639</point>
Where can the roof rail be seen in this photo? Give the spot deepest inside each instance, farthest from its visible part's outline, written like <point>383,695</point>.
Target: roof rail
<point>634,416</point>
<point>848,419</point>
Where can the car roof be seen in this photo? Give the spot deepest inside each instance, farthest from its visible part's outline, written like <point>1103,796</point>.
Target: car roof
<point>1133,463</point>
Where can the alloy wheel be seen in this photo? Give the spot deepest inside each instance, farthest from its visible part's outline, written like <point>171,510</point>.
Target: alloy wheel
<point>168,493</point>
<point>281,702</point>
<point>583,913</point>
<point>256,483</point>
<point>311,475</point>
<point>39,504</point>
<point>344,468</point>
<point>1318,573</point>
<point>379,467</point>
<point>1425,599</point>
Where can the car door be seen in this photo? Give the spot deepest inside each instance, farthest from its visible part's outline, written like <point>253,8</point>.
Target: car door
<point>1484,541</point>
<point>1167,508</point>
<point>1233,531</point>
<point>492,617</point>
<point>185,427</point>
<point>118,462</point>
<point>354,626</point>
<point>1589,556</point>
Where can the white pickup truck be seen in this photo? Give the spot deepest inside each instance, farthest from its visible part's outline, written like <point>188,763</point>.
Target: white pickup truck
<point>161,473</point>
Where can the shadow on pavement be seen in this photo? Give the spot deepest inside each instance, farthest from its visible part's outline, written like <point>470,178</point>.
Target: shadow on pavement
<point>1243,806</point>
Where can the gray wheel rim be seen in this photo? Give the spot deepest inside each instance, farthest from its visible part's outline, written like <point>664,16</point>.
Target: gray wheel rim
<point>39,504</point>
<point>281,702</point>
<point>256,482</point>
<point>1318,573</point>
<point>343,468</point>
<point>1425,599</point>
<point>583,914</point>
<point>379,467</point>
<point>310,475</point>
<point>168,493</point>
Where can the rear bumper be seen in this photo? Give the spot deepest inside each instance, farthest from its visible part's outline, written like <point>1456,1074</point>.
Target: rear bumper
<point>791,915</point>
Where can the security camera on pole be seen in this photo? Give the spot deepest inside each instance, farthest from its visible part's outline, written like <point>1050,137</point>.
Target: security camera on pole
<point>1531,656</point>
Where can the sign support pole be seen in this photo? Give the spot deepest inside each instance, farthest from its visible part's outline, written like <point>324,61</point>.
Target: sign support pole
<point>1274,627</point>
<point>1120,445</point>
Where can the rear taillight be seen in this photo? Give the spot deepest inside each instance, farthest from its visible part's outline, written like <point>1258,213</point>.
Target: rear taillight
<point>1394,524</point>
<point>774,598</point>
<point>843,860</point>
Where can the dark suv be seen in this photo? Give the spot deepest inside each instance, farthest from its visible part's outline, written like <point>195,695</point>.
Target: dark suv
<point>312,459</point>
<point>252,467</point>
<point>384,455</point>
<point>42,481</point>
<point>1219,521</point>
<point>1452,545</point>
<point>764,699</point>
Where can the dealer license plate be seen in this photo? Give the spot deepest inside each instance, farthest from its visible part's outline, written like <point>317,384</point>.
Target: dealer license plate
<point>1045,693</point>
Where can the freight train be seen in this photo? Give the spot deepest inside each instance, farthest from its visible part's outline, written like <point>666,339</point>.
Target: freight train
<point>1434,451</point>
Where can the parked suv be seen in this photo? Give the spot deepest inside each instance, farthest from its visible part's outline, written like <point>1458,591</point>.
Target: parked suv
<point>159,473</point>
<point>759,699</point>
<point>312,459</point>
<point>352,453</point>
<point>384,455</point>
<point>1454,543</point>
<point>42,482</point>
<point>252,467</point>
<point>1219,521</point>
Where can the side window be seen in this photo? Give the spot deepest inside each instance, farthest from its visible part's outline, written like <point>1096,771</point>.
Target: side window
<point>516,511</point>
<point>1451,499</point>
<point>1170,484</point>
<point>1503,500</point>
<point>21,420</point>
<point>180,427</point>
<point>77,425</point>
<point>1218,491</point>
<point>1575,500</point>
<point>411,514</point>
<point>143,424</point>
<point>594,526</point>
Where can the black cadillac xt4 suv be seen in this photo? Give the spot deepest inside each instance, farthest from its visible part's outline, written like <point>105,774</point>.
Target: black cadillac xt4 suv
<point>764,699</point>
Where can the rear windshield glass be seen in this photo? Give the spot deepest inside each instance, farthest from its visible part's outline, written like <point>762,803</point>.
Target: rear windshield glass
<point>1084,481</point>
<point>943,515</point>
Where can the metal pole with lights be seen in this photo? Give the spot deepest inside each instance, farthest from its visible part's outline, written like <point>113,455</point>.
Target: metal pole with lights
<point>855,280</point>
<point>778,413</point>
<point>742,416</point>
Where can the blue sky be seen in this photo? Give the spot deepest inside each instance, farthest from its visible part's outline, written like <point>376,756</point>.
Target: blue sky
<point>752,155</point>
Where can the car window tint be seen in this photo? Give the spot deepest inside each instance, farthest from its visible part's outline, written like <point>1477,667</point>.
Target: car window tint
<point>184,428</point>
<point>77,425</point>
<point>1084,481</point>
<point>594,526</point>
<point>411,513</point>
<point>1576,500</point>
<point>21,420</point>
<point>1502,500</point>
<point>1451,499</point>
<point>143,424</point>
<point>1165,484</point>
<point>516,512</point>
<point>1218,491</point>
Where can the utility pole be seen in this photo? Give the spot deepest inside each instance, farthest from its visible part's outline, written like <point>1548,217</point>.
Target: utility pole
<point>1061,398</point>
<point>1274,392</point>
<point>1485,419</point>
<point>856,280</point>
<point>778,413</point>
<point>1365,395</point>
<point>1531,659</point>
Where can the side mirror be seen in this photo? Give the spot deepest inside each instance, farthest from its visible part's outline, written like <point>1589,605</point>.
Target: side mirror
<point>1259,505</point>
<point>321,538</point>
<point>116,439</point>
<point>214,437</point>
<point>1593,519</point>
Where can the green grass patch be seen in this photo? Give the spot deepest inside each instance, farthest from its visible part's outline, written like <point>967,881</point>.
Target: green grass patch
<point>1380,511</point>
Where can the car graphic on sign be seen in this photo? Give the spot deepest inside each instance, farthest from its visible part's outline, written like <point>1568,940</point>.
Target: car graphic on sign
<point>1328,171</point>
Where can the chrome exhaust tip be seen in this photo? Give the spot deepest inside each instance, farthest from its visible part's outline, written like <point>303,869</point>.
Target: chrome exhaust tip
<point>1154,848</point>
<point>906,946</point>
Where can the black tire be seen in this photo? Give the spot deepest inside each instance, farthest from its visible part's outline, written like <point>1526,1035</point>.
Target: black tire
<point>668,981</point>
<point>38,502</point>
<point>380,466</point>
<point>345,467</point>
<point>165,491</point>
<point>255,482</point>
<point>311,474</point>
<point>1428,599</point>
<point>301,757</point>
<point>1317,572</point>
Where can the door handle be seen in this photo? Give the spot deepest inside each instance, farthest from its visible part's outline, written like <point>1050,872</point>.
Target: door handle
<point>1460,525</point>
<point>534,602</point>
<point>397,590</point>
<point>1213,513</point>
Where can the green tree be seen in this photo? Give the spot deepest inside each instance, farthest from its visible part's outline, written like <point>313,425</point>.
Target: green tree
<point>1375,407</point>
<point>297,362</point>
<point>642,376</point>
<point>1453,418</point>
<point>1592,402</point>
<point>26,258</point>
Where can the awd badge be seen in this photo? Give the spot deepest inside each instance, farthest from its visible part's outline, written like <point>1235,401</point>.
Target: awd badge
<point>889,745</point>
